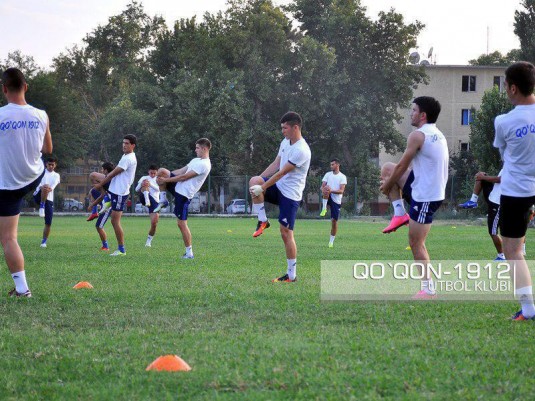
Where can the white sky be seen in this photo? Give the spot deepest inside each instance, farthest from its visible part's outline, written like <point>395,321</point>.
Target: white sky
<point>457,29</point>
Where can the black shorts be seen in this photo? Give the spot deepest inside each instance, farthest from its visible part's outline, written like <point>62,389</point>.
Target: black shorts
<point>486,189</point>
<point>406,191</point>
<point>11,200</point>
<point>493,217</point>
<point>514,215</point>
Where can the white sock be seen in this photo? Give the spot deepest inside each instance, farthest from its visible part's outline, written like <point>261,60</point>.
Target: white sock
<point>525,296</point>
<point>501,255</point>
<point>163,197</point>
<point>149,239</point>
<point>260,209</point>
<point>474,198</point>
<point>20,282</point>
<point>399,207</point>
<point>146,195</point>
<point>524,248</point>
<point>324,203</point>
<point>292,268</point>
<point>428,286</point>
<point>189,251</point>
<point>331,241</point>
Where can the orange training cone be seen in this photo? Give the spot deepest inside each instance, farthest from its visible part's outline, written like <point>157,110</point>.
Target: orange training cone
<point>83,284</point>
<point>169,363</point>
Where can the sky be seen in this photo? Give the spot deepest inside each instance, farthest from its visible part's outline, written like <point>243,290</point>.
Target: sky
<point>458,30</point>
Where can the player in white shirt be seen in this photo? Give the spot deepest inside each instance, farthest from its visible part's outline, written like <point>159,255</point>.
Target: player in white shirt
<point>24,134</point>
<point>118,183</point>
<point>424,187</point>
<point>282,183</point>
<point>150,197</point>
<point>100,198</point>
<point>515,139</point>
<point>333,186</point>
<point>44,196</point>
<point>184,183</point>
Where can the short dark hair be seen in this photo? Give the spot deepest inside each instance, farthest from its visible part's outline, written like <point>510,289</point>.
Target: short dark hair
<point>292,118</point>
<point>204,142</point>
<point>13,79</point>
<point>334,159</point>
<point>428,105</point>
<point>51,160</point>
<point>132,138</point>
<point>153,167</point>
<point>108,166</point>
<point>522,75</point>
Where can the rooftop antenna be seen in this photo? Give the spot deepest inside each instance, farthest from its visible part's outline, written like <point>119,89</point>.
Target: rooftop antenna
<point>430,54</point>
<point>488,30</point>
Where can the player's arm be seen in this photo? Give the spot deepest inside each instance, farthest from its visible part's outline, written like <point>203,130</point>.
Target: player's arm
<point>47,142</point>
<point>278,175</point>
<point>96,201</point>
<point>482,176</point>
<point>414,143</point>
<point>182,177</point>
<point>180,171</point>
<point>115,172</point>
<point>340,191</point>
<point>272,168</point>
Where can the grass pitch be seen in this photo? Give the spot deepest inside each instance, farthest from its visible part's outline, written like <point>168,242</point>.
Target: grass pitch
<point>244,337</point>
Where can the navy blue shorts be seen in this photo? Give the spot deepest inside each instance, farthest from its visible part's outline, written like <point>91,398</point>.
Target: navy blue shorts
<point>287,207</point>
<point>406,192</point>
<point>11,200</point>
<point>514,215</point>
<point>118,202</point>
<point>152,205</point>
<point>422,212</point>
<point>181,206</point>
<point>49,208</point>
<point>103,218</point>
<point>95,194</point>
<point>335,208</point>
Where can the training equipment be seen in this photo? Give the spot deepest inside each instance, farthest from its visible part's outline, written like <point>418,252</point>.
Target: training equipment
<point>260,227</point>
<point>396,222</point>
<point>169,363</point>
<point>83,284</point>
<point>256,190</point>
<point>468,205</point>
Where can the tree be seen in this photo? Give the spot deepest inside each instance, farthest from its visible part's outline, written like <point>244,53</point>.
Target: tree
<point>496,58</point>
<point>524,23</point>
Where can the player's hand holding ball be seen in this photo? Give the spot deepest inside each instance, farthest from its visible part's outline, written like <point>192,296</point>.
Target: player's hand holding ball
<point>256,190</point>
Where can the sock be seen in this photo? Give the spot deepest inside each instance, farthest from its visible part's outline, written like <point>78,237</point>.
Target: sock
<point>292,268</point>
<point>428,286</point>
<point>399,207</point>
<point>189,251</point>
<point>105,244</point>
<point>106,198</point>
<point>163,197</point>
<point>43,241</point>
<point>261,210</point>
<point>524,248</point>
<point>501,255</point>
<point>474,198</point>
<point>525,296</point>
<point>121,248</point>
<point>331,241</point>
<point>20,282</point>
<point>146,195</point>
<point>94,209</point>
<point>149,239</point>
<point>324,203</point>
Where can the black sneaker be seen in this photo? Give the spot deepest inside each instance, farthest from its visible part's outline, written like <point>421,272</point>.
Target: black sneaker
<point>284,279</point>
<point>14,293</point>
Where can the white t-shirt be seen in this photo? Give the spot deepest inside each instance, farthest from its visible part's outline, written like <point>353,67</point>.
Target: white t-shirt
<point>120,184</point>
<point>22,133</point>
<point>293,183</point>
<point>430,166</point>
<point>335,181</point>
<point>52,180</point>
<point>515,137</point>
<point>190,187</point>
<point>496,192</point>
<point>154,189</point>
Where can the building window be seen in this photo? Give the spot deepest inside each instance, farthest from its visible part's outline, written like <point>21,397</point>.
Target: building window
<point>499,81</point>
<point>465,146</point>
<point>467,117</point>
<point>469,83</point>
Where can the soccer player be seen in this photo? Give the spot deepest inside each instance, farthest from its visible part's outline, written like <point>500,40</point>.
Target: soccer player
<point>515,139</point>
<point>184,183</point>
<point>150,197</point>
<point>118,183</point>
<point>100,198</point>
<point>282,183</point>
<point>44,196</point>
<point>333,186</point>
<point>424,187</point>
<point>24,134</point>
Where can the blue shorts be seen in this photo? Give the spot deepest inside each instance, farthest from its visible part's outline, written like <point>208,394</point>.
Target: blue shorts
<point>49,208</point>
<point>11,200</point>
<point>335,208</point>
<point>118,202</point>
<point>287,207</point>
<point>152,205</point>
<point>103,218</point>
<point>95,194</point>
<point>181,206</point>
<point>422,212</point>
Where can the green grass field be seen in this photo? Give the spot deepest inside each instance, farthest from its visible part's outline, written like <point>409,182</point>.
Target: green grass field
<point>244,337</point>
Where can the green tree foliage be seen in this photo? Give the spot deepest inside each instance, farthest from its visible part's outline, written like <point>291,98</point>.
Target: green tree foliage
<point>497,58</point>
<point>524,23</point>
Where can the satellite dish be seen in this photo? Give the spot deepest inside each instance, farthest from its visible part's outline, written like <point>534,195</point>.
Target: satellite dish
<point>430,53</point>
<point>425,62</point>
<point>414,58</point>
